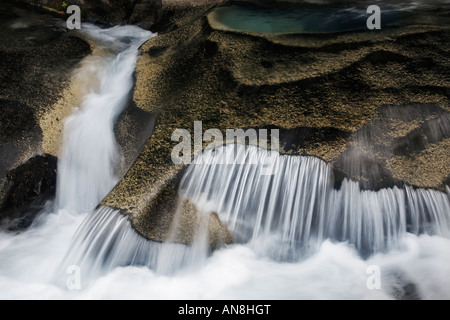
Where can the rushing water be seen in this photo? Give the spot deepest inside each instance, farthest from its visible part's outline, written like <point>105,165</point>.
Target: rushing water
<point>87,164</point>
<point>90,152</point>
<point>295,207</point>
<point>291,224</point>
<point>296,236</point>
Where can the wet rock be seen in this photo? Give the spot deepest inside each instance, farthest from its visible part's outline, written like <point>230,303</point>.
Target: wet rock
<point>20,135</point>
<point>143,12</point>
<point>401,287</point>
<point>132,131</point>
<point>26,190</point>
<point>171,218</point>
<point>37,55</point>
<point>383,153</point>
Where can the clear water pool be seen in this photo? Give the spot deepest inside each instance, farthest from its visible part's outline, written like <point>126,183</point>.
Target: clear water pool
<point>309,19</point>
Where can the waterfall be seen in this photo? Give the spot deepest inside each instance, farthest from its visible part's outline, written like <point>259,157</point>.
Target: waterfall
<point>294,209</point>
<point>279,209</point>
<point>106,240</point>
<point>90,151</point>
<point>283,207</point>
<point>90,154</point>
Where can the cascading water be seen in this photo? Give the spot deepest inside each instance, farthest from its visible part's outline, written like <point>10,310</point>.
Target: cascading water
<point>87,164</point>
<point>90,154</point>
<point>277,220</point>
<point>282,207</point>
<point>106,240</point>
<point>295,208</point>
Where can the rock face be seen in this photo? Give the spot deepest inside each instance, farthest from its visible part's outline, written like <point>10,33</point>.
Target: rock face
<point>37,56</point>
<point>143,12</point>
<point>359,101</point>
<point>403,144</point>
<point>20,134</point>
<point>26,189</point>
<point>149,14</point>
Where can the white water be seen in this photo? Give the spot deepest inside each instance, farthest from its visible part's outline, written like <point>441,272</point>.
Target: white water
<point>33,263</point>
<point>300,238</point>
<point>335,271</point>
<point>294,215</point>
<point>30,260</point>
<point>90,155</point>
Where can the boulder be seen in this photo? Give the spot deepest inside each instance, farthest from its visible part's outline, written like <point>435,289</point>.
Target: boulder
<point>26,190</point>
